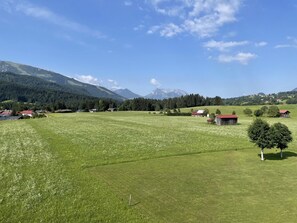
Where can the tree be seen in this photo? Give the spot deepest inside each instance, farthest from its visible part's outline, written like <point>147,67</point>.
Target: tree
<point>206,112</point>
<point>218,112</point>
<point>259,134</point>
<point>281,136</point>
<point>264,109</point>
<point>248,111</point>
<point>273,111</point>
<point>258,113</point>
<point>234,113</point>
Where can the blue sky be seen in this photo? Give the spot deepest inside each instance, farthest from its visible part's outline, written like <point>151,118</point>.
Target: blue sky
<point>211,47</point>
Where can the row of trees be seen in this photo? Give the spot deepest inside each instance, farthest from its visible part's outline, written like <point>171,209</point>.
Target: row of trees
<point>192,100</point>
<point>72,104</point>
<point>265,136</point>
<point>271,111</point>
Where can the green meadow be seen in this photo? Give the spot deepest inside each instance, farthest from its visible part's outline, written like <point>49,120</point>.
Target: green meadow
<point>141,167</point>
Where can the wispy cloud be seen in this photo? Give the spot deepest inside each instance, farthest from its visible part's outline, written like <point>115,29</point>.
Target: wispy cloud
<point>139,27</point>
<point>242,58</point>
<point>223,46</point>
<point>292,43</point>
<point>89,79</point>
<point>128,3</point>
<point>44,14</point>
<point>155,82</point>
<point>261,44</point>
<point>199,17</point>
<point>114,85</point>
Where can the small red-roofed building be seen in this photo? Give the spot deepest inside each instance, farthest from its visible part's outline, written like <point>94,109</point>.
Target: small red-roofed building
<point>226,119</point>
<point>284,113</point>
<point>199,113</point>
<point>28,113</point>
<point>6,113</point>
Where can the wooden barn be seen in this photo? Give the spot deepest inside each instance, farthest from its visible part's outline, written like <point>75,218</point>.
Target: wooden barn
<point>284,113</point>
<point>199,113</point>
<point>226,119</point>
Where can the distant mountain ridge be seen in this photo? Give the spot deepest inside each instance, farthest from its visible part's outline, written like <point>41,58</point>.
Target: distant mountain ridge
<point>69,84</point>
<point>165,93</point>
<point>29,89</point>
<point>126,93</point>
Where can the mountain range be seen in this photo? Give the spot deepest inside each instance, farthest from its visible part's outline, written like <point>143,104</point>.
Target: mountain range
<point>126,93</point>
<point>166,93</point>
<point>67,84</point>
<point>73,86</point>
<point>158,94</point>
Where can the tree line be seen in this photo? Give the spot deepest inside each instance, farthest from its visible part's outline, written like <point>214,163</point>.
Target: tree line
<point>192,100</point>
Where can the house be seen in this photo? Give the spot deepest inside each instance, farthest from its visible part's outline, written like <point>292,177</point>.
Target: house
<point>199,113</point>
<point>226,119</point>
<point>284,113</point>
<point>6,113</point>
<point>27,113</point>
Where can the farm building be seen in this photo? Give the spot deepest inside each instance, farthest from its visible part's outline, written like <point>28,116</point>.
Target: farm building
<point>284,113</point>
<point>199,113</point>
<point>226,119</point>
<point>28,113</point>
<point>6,113</point>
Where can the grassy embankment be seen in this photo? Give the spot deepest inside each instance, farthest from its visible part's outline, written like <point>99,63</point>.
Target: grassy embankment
<point>83,168</point>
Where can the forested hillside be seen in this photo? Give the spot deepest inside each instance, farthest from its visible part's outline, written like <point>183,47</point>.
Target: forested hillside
<point>59,79</point>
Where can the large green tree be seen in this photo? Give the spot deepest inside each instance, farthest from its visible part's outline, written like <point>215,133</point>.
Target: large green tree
<point>273,111</point>
<point>259,134</point>
<point>248,111</point>
<point>280,136</point>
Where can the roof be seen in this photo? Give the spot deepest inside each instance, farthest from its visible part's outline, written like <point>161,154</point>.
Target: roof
<point>26,112</point>
<point>227,116</point>
<point>284,111</point>
<point>6,113</point>
<point>200,111</point>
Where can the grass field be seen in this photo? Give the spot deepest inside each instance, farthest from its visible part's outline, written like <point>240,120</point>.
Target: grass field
<point>83,167</point>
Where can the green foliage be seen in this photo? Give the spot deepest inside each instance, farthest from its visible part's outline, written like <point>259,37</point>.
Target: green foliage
<point>280,135</point>
<point>258,133</point>
<point>233,112</point>
<point>212,116</point>
<point>258,113</point>
<point>248,111</point>
<point>273,111</point>
<point>142,104</point>
<point>218,112</point>
<point>205,112</point>
<point>264,109</point>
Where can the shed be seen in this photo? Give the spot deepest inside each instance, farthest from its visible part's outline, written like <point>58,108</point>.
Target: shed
<point>226,119</point>
<point>28,113</point>
<point>198,113</point>
<point>284,113</point>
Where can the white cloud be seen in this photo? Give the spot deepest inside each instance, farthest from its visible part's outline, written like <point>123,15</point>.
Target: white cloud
<point>139,27</point>
<point>261,44</point>
<point>199,17</point>
<point>114,84</point>
<point>128,3</point>
<point>292,44</point>
<point>170,30</point>
<point>88,79</point>
<point>243,58</point>
<point>223,46</point>
<point>154,82</point>
<point>41,13</point>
